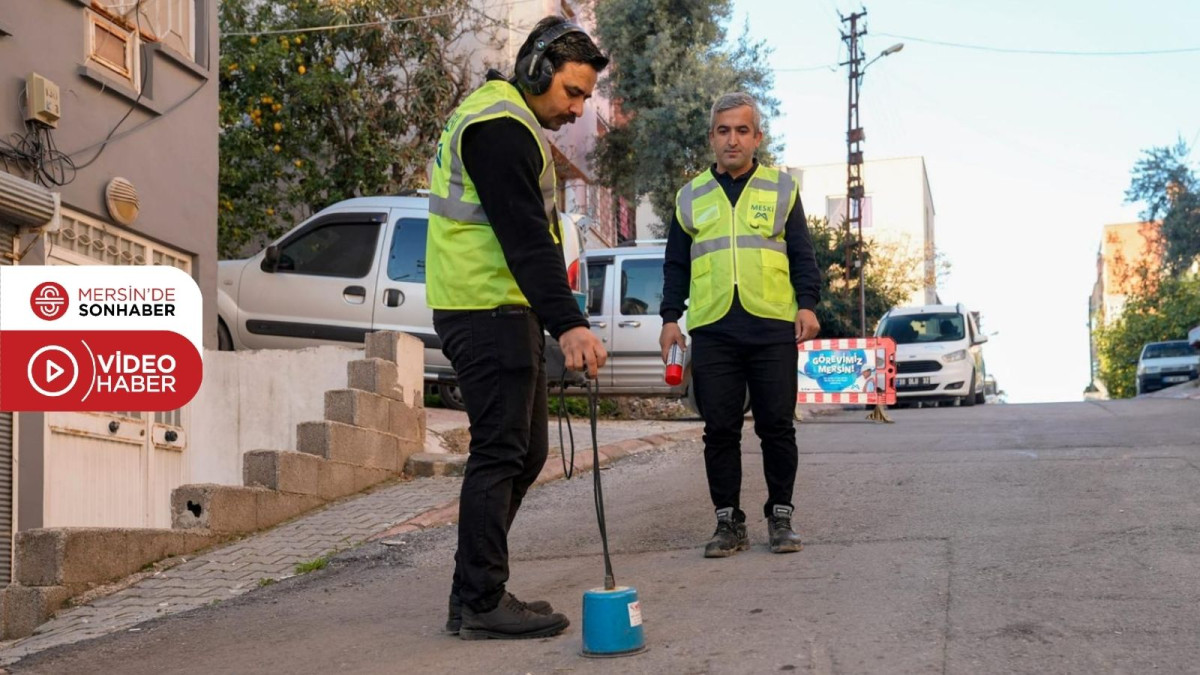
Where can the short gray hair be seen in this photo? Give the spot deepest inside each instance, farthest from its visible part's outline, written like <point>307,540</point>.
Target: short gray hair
<point>733,100</point>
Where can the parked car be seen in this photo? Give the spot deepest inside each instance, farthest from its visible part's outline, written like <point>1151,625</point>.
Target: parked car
<point>357,266</point>
<point>939,354</point>
<point>624,294</point>
<point>1165,364</point>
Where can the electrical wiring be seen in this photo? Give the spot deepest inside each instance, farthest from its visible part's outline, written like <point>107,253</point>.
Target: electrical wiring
<point>137,15</point>
<point>1042,52</point>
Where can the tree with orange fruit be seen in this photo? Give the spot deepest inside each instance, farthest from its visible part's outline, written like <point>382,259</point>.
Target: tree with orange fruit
<point>322,100</point>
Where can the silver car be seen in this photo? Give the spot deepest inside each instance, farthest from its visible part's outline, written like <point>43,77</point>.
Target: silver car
<point>355,267</point>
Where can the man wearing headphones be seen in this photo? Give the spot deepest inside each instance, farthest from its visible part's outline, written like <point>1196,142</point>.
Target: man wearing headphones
<point>496,280</point>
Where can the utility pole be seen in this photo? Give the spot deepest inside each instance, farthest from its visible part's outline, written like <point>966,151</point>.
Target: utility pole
<point>854,159</point>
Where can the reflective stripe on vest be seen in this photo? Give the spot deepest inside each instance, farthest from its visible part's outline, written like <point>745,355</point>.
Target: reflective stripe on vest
<point>465,266</point>
<point>739,246</point>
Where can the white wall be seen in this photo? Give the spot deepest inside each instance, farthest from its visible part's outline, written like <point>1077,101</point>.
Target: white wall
<point>901,206</point>
<point>253,400</point>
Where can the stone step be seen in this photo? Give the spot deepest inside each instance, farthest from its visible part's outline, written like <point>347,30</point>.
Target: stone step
<point>235,509</point>
<point>364,409</point>
<point>354,445</point>
<point>303,473</point>
<point>425,464</point>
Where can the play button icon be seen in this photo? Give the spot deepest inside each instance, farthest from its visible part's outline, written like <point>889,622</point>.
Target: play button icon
<point>53,364</point>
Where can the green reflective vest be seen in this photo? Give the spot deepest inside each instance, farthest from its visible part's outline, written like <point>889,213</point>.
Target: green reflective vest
<point>738,247</point>
<point>464,265</point>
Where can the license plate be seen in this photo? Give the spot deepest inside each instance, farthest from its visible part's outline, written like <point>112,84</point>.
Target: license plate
<point>1175,378</point>
<point>911,381</point>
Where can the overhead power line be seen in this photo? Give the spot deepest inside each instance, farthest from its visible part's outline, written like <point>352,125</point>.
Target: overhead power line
<point>1043,52</point>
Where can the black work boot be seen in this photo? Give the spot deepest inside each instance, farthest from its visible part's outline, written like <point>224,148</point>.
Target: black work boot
<point>510,620</point>
<point>454,620</point>
<point>730,536</point>
<point>779,530</point>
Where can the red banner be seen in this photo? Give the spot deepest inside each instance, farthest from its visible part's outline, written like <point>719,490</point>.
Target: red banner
<point>151,370</point>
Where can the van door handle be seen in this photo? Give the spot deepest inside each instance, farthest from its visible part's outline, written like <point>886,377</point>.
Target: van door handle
<point>355,295</point>
<point>630,324</point>
<point>392,297</point>
<point>598,324</point>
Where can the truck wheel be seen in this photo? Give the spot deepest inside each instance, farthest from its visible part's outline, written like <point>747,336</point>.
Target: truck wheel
<point>451,396</point>
<point>969,399</point>
<point>224,339</point>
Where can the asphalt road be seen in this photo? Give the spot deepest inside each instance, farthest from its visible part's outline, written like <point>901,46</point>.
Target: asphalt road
<point>1054,538</point>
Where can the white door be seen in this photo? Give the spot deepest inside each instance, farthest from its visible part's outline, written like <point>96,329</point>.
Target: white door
<point>320,290</point>
<point>635,353</point>
<point>111,469</point>
<point>600,309</point>
<point>400,296</point>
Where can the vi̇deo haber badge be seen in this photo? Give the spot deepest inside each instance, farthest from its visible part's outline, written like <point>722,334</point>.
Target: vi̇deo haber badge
<point>97,338</point>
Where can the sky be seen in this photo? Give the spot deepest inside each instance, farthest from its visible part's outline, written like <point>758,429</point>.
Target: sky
<point>1028,155</point>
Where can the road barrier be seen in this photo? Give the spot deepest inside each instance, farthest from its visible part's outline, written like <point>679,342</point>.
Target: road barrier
<point>855,371</point>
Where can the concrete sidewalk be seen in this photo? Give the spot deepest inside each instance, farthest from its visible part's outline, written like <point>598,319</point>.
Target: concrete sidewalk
<point>306,542</point>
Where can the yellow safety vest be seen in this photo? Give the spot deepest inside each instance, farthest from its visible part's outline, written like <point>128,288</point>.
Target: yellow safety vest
<point>464,264</point>
<point>739,248</point>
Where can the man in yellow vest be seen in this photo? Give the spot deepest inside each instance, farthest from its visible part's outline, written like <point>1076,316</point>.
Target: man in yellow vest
<point>739,252</point>
<point>496,280</point>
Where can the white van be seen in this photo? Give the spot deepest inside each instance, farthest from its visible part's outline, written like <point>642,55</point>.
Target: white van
<point>939,354</point>
<point>357,266</point>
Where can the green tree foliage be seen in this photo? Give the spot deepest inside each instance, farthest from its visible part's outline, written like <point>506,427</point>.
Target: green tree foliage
<point>310,118</point>
<point>1162,309</point>
<point>1164,182</point>
<point>891,276</point>
<point>671,60</point>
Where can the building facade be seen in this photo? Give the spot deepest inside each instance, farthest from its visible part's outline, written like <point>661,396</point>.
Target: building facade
<point>124,143</point>
<point>607,219</point>
<point>897,209</point>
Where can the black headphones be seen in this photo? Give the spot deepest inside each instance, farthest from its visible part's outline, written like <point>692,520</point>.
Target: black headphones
<point>534,71</point>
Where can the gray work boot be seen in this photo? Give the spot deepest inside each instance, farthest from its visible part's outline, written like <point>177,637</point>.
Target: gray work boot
<point>730,536</point>
<point>510,620</point>
<point>779,531</point>
<point>454,620</point>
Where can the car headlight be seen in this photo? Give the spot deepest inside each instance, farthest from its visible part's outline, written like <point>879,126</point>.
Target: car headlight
<point>1150,370</point>
<point>955,356</point>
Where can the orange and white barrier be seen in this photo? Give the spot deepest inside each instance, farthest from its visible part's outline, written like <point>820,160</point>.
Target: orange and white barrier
<point>860,371</point>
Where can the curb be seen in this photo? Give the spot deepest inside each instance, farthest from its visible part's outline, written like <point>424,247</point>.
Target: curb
<point>447,513</point>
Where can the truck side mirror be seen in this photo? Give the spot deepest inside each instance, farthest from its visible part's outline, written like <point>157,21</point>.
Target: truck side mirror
<point>980,339</point>
<point>270,261</point>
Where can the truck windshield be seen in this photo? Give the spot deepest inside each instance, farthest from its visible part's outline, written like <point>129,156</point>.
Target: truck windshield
<point>928,327</point>
<point>1166,350</point>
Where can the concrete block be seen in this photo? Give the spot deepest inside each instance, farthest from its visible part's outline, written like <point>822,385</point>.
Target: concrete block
<point>353,445</point>
<point>338,479</point>
<point>81,557</point>
<point>27,607</point>
<point>376,376</point>
<point>39,555</point>
<point>220,508</point>
<point>360,408</point>
<point>428,464</point>
<point>365,477</point>
<point>275,507</point>
<point>296,472</point>
<point>407,422</point>
<point>408,353</point>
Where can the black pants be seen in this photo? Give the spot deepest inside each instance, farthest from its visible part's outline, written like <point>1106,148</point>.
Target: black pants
<point>498,357</point>
<point>721,371</point>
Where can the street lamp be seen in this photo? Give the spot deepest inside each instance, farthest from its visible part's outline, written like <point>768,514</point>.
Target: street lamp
<point>855,191</point>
